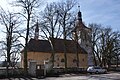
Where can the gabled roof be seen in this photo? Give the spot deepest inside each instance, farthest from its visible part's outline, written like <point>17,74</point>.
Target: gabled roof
<point>45,46</point>
<point>39,45</point>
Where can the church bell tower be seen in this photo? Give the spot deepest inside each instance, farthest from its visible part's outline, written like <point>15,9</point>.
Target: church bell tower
<point>82,34</point>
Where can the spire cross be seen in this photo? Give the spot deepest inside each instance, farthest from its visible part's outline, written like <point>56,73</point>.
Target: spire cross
<point>79,8</point>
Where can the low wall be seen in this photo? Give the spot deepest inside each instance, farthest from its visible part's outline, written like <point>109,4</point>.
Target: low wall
<point>11,71</point>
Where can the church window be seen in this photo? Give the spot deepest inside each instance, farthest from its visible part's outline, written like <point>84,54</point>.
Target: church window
<point>74,60</point>
<point>62,60</point>
<point>58,65</point>
<point>86,45</point>
<point>82,59</point>
<point>58,58</point>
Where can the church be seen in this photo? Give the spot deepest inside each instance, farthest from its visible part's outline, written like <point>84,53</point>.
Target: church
<point>78,51</point>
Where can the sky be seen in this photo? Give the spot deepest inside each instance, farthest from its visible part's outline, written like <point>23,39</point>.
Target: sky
<point>105,12</point>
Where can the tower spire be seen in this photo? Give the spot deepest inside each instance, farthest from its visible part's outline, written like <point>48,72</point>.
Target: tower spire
<point>36,31</point>
<point>79,14</point>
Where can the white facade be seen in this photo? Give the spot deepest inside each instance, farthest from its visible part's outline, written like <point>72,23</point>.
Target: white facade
<point>84,35</point>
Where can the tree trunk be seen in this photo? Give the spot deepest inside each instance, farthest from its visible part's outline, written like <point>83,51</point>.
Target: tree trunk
<point>53,52</point>
<point>64,37</point>
<point>77,54</point>
<point>9,38</point>
<point>26,45</point>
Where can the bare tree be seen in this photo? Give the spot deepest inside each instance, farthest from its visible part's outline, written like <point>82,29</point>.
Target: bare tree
<point>66,21</point>
<point>57,20</point>
<point>105,45</point>
<point>109,47</point>
<point>49,24</point>
<point>11,44</point>
<point>95,42</point>
<point>28,7</point>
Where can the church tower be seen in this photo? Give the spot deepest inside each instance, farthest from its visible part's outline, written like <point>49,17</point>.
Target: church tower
<point>36,31</point>
<point>82,35</point>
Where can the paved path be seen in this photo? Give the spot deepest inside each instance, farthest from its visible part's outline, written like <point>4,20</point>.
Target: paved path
<point>109,76</point>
